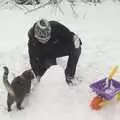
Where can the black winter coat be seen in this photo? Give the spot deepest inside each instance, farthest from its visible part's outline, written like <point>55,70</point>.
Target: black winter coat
<point>60,44</point>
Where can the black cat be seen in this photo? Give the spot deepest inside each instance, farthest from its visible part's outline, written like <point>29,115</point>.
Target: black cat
<point>19,87</point>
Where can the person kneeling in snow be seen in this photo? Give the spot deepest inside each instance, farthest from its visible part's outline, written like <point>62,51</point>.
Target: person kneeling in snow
<point>49,40</point>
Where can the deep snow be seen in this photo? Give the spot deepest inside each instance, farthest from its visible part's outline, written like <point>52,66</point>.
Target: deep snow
<point>98,27</point>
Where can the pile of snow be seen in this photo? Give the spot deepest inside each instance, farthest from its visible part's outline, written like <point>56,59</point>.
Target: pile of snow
<point>51,99</point>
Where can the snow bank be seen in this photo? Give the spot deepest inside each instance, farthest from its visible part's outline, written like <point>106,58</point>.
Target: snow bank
<point>51,99</point>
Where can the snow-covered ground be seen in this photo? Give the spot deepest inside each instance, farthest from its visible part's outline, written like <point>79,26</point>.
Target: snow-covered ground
<point>98,27</point>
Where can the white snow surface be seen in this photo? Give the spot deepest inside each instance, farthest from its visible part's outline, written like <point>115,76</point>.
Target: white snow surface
<point>52,99</point>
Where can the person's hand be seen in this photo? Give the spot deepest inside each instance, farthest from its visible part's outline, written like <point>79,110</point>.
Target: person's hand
<point>38,78</point>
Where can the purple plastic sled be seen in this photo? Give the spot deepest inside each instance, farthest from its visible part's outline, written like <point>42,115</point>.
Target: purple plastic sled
<point>104,90</point>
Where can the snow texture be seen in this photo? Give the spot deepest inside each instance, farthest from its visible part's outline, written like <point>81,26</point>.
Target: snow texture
<point>52,99</point>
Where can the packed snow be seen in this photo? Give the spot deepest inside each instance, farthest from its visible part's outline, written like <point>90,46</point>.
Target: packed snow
<point>52,99</point>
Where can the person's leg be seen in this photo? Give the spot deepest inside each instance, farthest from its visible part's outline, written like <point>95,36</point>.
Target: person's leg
<point>49,62</point>
<point>44,66</point>
<point>71,64</point>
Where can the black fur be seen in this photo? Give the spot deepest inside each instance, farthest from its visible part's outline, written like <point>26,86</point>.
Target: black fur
<point>21,86</point>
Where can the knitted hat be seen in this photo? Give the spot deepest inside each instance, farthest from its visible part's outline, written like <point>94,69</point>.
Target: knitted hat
<point>42,31</point>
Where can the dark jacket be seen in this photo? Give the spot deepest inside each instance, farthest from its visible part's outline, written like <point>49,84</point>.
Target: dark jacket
<point>60,44</point>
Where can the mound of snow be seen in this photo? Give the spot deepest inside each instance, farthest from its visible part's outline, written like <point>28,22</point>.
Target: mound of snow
<point>54,75</point>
